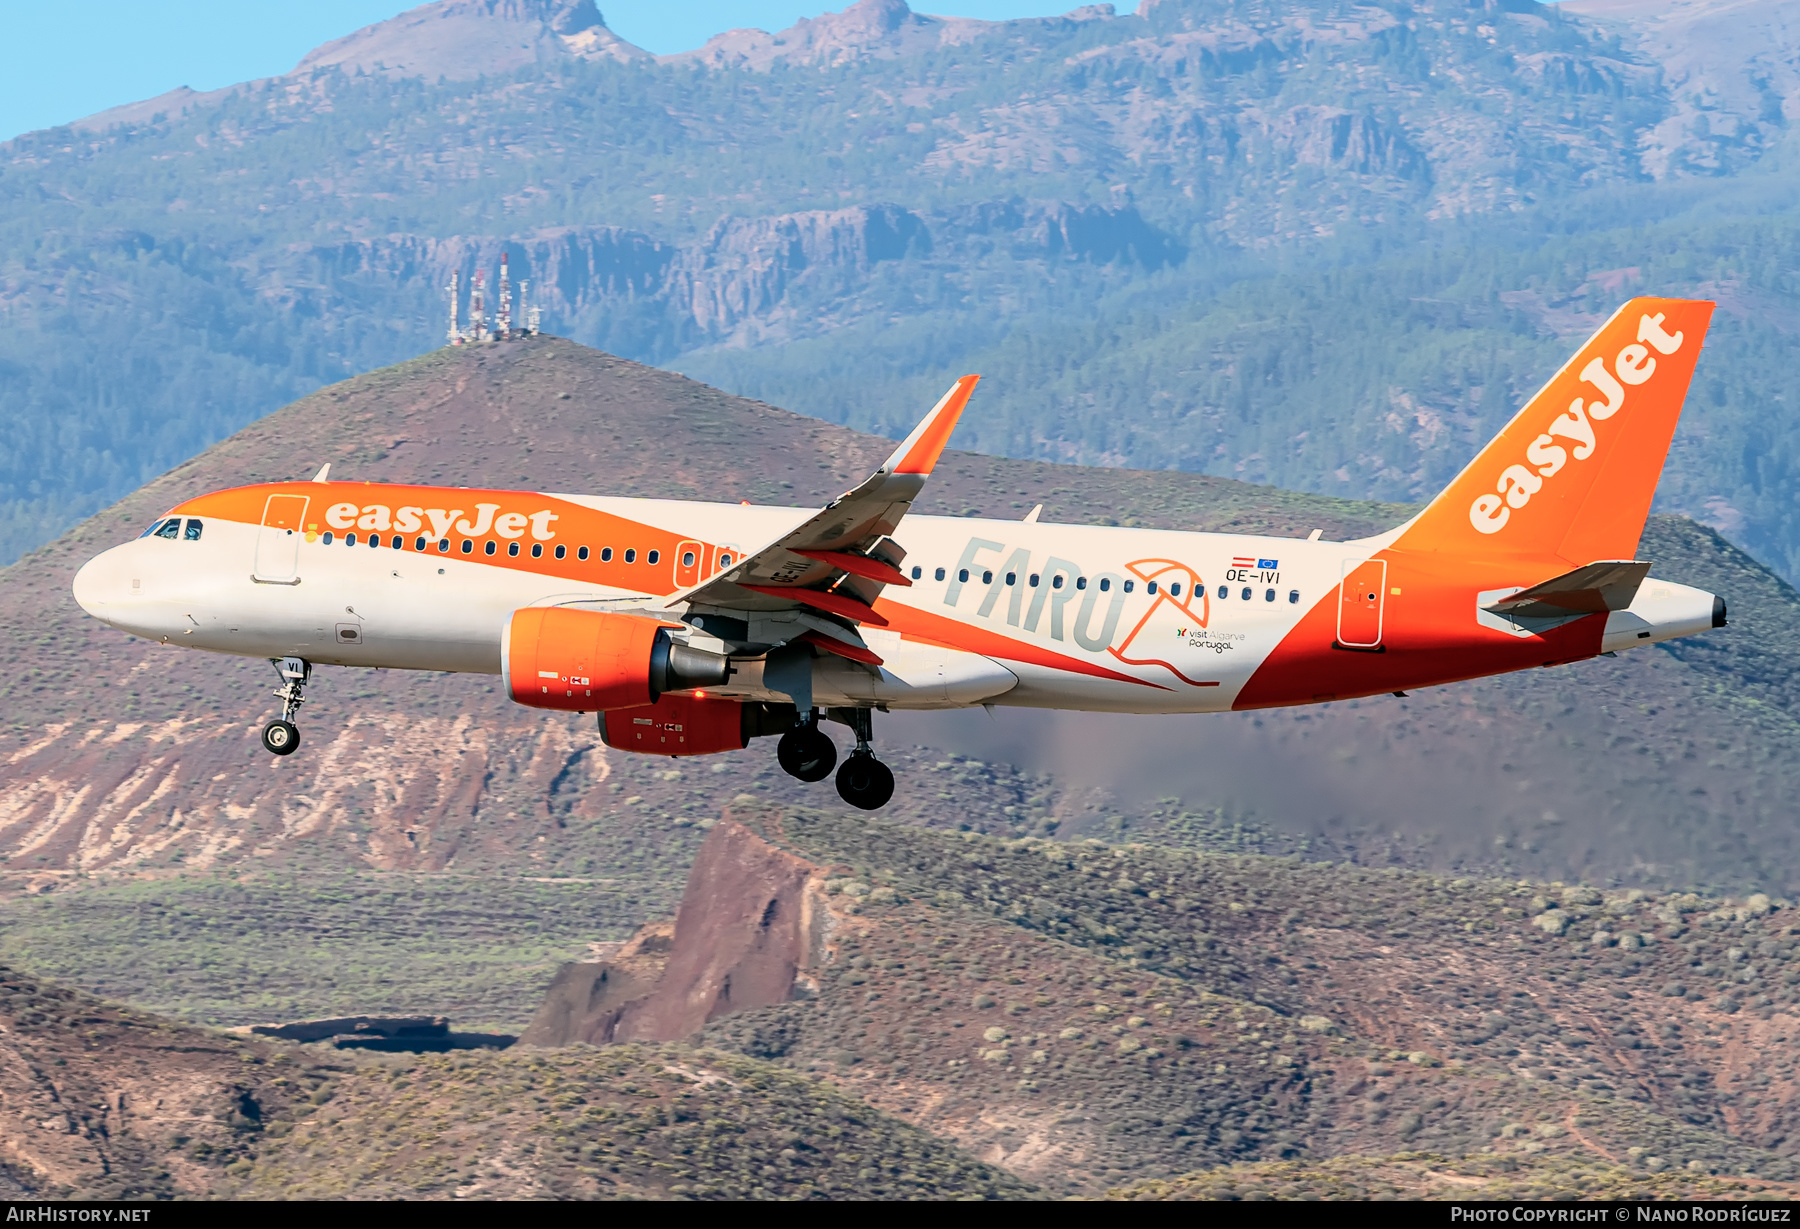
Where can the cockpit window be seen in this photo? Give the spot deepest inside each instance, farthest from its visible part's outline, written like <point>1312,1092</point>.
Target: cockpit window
<point>154,526</point>
<point>171,528</point>
<point>193,530</point>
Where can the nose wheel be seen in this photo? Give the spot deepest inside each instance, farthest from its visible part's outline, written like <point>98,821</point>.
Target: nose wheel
<point>282,736</point>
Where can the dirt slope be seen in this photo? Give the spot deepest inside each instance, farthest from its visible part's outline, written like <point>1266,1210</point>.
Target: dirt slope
<point>1091,1017</point>
<point>99,1101</point>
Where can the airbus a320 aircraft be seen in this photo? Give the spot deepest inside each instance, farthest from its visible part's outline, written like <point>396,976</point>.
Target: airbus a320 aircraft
<point>691,628</point>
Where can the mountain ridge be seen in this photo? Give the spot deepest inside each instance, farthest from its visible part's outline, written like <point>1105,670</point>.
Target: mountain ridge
<point>1197,202</point>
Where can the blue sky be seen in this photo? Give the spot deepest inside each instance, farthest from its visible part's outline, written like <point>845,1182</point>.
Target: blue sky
<point>69,60</point>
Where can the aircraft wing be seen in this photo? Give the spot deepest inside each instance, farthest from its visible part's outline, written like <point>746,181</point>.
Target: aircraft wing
<point>1591,589</point>
<point>836,563</point>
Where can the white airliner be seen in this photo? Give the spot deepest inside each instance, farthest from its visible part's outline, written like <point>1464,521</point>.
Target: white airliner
<point>692,627</point>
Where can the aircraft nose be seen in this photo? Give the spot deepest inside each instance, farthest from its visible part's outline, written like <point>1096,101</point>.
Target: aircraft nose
<point>94,585</point>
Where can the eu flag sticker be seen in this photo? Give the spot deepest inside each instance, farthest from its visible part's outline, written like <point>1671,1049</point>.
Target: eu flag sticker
<point>1267,565</point>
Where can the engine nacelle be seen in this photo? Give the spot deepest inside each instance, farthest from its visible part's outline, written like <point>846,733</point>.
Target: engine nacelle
<point>588,661</point>
<point>680,724</point>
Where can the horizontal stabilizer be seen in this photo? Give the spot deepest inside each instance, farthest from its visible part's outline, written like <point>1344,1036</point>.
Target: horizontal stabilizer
<point>1594,588</point>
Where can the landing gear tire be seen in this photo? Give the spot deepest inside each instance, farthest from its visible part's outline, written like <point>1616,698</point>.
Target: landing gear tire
<point>865,782</point>
<point>806,752</point>
<point>281,738</point>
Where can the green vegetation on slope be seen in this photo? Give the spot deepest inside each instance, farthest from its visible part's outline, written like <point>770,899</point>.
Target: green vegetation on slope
<point>635,1121</point>
<point>245,948</point>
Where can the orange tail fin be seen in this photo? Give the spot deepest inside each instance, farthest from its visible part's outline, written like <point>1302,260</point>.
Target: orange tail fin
<point>1572,475</point>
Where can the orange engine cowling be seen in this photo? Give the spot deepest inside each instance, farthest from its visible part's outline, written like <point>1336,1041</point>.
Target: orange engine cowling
<point>681,724</point>
<point>589,661</point>
<point>677,725</point>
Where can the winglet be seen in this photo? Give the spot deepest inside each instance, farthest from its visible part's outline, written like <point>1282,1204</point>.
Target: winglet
<point>920,451</point>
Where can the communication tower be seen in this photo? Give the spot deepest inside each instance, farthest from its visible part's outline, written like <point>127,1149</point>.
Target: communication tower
<point>478,330</point>
<point>503,318</point>
<point>456,336</point>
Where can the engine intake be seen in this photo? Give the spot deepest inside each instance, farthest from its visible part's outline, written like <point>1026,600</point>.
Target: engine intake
<point>587,661</point>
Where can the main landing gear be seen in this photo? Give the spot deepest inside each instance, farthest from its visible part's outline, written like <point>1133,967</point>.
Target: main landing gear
<point>282,736</point>
<point>808,753</point>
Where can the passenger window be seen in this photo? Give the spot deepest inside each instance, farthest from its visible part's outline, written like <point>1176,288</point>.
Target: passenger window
<point>687,558</point>
<point>399,543</point>
<point>537,550</point>
<point>963,576</point>
<point>1033,581</point>
<point>468,547</point>
<point>939,574</point>
<point>1174,590</point>
<point>1130,585</point>
<point>653,556</point>
<point>171,529</point>
<point>1224,593</point>
<point>512,548</point>
<point>630,555</point>
<point>917,572</point>
<point>1012,578</point>
<point>1246,593</point>
<point>419,544</point>
<point>327,538</point>
<point>561,551</point>
<point>1056,581</point>
<point>350,539</point>
<point>605,554</point>
<point>193,530</point>
<point>1150,587</point>
<point>581,554</point>
<point>374,539</point>
<point>443,546</point>
<point>488,548</point>
<point>1269,595</point>
<point>1105,584</point>
<point>987,578</point>
<point>1081,582</point>
<point>1293,597</point>
<point>724,561</point>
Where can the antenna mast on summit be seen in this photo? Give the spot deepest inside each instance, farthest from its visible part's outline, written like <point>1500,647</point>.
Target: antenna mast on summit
<point>456,336</point>
<point>525,329</point>
<point>503,320</point>
<point>478,307</point>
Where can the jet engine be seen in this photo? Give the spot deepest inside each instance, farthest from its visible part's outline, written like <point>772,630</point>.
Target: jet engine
<point>681,724</point>
<point>588,661</point>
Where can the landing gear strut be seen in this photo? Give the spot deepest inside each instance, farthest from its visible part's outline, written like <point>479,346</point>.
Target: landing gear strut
<point>806,751</point>
<point>282,736</point>
<point>864,781</point>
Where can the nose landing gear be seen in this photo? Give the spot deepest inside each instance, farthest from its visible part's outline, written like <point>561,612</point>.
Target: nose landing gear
<point>282,736</point>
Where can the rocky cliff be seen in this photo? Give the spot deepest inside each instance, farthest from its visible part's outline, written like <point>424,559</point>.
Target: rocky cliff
<point>754,929</point>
